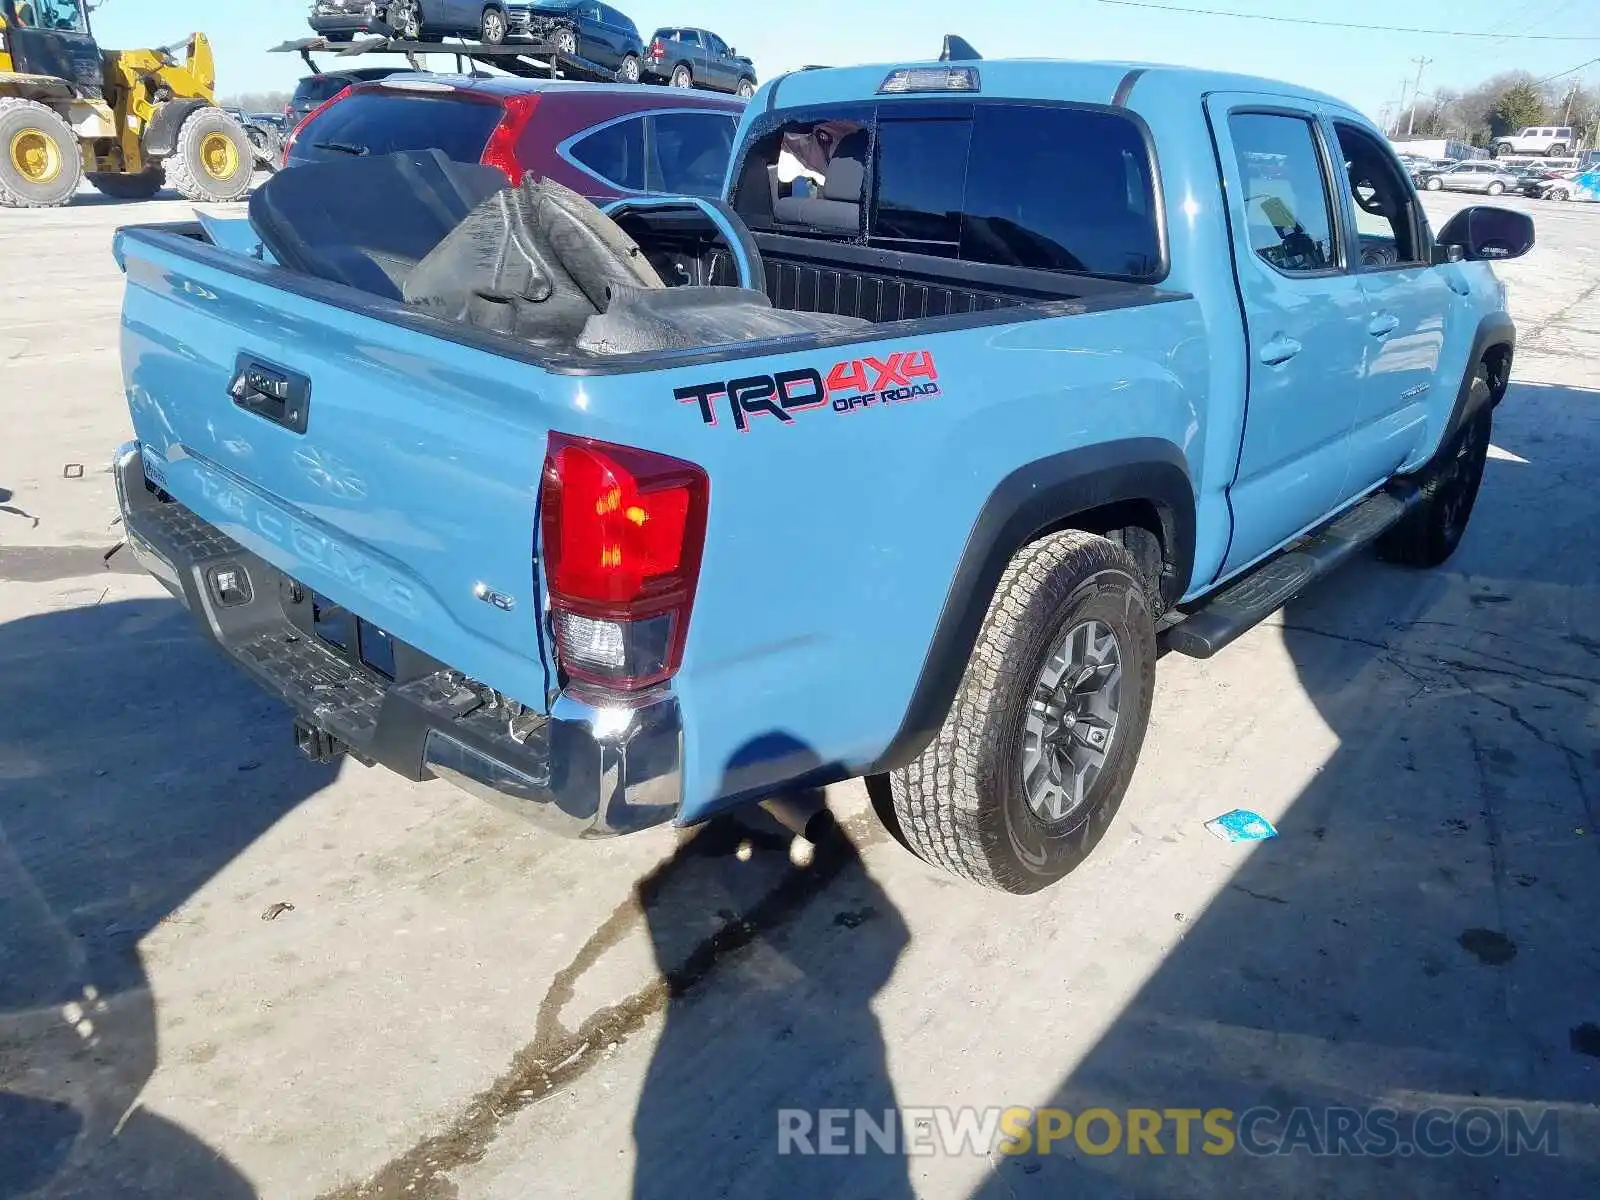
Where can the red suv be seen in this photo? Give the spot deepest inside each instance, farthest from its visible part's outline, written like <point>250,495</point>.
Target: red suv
<point>603,141</point>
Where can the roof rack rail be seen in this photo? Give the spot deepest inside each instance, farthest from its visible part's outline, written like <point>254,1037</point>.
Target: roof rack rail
<point>531,60</point>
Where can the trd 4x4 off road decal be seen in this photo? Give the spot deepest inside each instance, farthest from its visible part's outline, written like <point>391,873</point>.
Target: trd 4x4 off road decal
<point>849,386</point>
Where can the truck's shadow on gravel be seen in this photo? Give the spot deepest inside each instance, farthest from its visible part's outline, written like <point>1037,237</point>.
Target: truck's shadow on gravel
<point>131,772</point>
<point>1423,932</point>
<point>784,1024</point>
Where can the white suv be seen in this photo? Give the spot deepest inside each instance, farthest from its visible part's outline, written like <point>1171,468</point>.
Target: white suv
<point>1552,141</point>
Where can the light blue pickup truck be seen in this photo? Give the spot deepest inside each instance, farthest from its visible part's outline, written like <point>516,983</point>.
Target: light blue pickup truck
<point>988,381</point>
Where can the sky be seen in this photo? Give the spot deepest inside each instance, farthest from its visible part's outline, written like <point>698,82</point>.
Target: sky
<point>1367,69</point>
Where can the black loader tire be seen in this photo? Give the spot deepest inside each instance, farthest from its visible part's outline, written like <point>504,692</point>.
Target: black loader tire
<point>962,805</point>
<point>1428,535</point>
<point>214,160</point>
<point>40,163</point>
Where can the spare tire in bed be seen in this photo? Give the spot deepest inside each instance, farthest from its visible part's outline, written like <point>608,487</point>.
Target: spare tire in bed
<point>535,261</point>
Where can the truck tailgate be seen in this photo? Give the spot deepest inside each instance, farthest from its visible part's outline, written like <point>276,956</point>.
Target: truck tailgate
<point>395,473</point>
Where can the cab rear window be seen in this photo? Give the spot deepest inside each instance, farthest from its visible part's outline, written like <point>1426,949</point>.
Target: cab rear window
<point>1045,187</point>
<point>385,122</point>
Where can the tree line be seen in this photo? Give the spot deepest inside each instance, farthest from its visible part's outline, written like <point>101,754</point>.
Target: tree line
<point>258,102</point>
<point>1505,104</point>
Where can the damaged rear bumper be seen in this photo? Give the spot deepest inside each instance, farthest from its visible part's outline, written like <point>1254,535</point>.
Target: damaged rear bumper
<point>584,771</point>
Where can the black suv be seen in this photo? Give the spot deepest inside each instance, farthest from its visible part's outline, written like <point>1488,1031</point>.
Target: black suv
<point>687,58</point>
<point>490,21</point>
<point>585,29</point>
<point>316,90</point>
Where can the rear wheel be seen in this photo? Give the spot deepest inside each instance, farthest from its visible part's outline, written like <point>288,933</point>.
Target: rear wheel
<point>142,186</point>
<point>1496,188</point>
<point>494,27</point>
<point>1033,759</point>
<point>1559,150</point>
<point>40,164</point>
<point>682,77</point>
<point>1558,194</point>
<point>628,72</point>
<point>214,160</point>
<point>1434,184</point>
<point>1430,532</point>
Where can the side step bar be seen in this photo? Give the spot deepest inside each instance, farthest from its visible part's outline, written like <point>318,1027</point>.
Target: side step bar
<point>1252,598</point>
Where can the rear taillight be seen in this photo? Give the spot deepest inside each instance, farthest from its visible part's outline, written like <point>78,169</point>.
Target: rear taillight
<point>657,50</point>
<point>288,145</point>
<point>623,533</point>
<point>501,151</point>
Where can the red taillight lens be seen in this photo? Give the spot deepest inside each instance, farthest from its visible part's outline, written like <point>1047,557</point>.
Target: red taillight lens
<point>501,151</point>
<point>624,531</point>
<point>288,145</point>
<point>657,50</point>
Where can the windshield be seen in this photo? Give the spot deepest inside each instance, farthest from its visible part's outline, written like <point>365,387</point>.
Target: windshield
<point>58,16</point>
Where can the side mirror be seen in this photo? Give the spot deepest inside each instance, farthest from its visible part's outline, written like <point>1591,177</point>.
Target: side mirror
<point>1485,234</point>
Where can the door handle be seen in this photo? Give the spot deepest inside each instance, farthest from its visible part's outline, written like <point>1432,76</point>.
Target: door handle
<point>1279,350</point>
<point>1383,326</point>
<point>270,392</point>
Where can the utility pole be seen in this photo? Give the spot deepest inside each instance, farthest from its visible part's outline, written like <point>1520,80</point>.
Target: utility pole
<point>1411,121</point>
<point>1566,112</point>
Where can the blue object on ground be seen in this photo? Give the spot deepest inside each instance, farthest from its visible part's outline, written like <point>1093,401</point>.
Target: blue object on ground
<point>1241,825</point>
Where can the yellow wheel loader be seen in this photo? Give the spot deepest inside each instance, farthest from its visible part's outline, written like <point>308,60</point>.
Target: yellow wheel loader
<point>128,120</point>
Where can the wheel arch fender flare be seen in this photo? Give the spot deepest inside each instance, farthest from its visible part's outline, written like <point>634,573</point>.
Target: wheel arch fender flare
<point>1494,342</point>
<point>161,135</point>
<point>1038,498</point>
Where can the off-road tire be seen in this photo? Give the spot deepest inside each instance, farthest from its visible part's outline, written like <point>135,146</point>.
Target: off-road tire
<point>566,42</point>
<point>186,172</point>
<point>630,71</point>
<point>1428,535</point>
<point>962,804</point>
<point>1559,150</point>
<point>19,118</point>
<point>682,77</point>
<point>1501,149</point>
<point>142,186</point>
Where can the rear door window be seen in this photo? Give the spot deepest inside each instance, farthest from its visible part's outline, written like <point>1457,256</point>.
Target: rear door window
<point>384,122</point>
<point>691,152</point>
<point>614,153</point>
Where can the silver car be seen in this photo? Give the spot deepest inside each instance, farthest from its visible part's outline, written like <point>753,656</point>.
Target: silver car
<point>1485,177</point>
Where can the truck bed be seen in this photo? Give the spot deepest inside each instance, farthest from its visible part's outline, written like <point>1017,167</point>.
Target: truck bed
<point>808,275</point>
